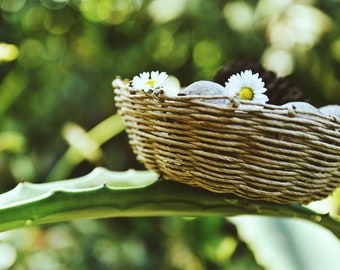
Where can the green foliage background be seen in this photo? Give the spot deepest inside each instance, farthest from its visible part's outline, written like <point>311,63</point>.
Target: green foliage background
<point>57,61</point>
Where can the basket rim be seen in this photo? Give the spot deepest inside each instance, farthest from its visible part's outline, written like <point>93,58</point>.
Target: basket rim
<point>289,108</point>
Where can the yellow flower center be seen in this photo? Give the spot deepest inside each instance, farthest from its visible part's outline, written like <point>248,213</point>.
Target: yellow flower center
<point>151,83</point>
<point>246,93</point>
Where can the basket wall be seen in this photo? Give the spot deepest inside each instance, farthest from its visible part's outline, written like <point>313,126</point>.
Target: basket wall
<point>263,154</point>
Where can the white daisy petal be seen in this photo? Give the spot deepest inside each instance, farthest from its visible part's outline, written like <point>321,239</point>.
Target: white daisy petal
<point>261,90</point>
<point>154,75</point>
<point>163,76</point>
<point>144,76</point>
<point>261,98</point>
<point>136,81</point>
<point>230,91</point>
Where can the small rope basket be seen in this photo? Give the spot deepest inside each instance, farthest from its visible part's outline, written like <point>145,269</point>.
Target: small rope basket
<point>281,154</point>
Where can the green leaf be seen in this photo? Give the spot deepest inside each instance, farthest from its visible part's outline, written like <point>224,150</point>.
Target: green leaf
<point>103,193</point>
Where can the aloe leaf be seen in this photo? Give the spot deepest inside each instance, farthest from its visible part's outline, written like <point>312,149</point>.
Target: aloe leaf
<point>103,193</point>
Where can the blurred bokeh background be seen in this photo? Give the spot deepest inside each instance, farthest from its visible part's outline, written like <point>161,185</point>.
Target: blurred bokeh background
<point>57,61</point>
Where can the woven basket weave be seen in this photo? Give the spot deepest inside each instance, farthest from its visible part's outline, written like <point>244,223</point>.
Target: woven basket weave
<point>274,153</point>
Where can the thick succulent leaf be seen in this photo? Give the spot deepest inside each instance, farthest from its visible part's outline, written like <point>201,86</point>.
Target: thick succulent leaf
<point>103,193</point>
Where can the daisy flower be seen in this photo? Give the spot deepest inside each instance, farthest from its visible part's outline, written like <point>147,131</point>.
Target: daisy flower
<point>149,82</point>
<point>247,86</point>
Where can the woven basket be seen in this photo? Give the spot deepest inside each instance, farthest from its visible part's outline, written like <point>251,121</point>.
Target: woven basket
<point>274,153</point>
